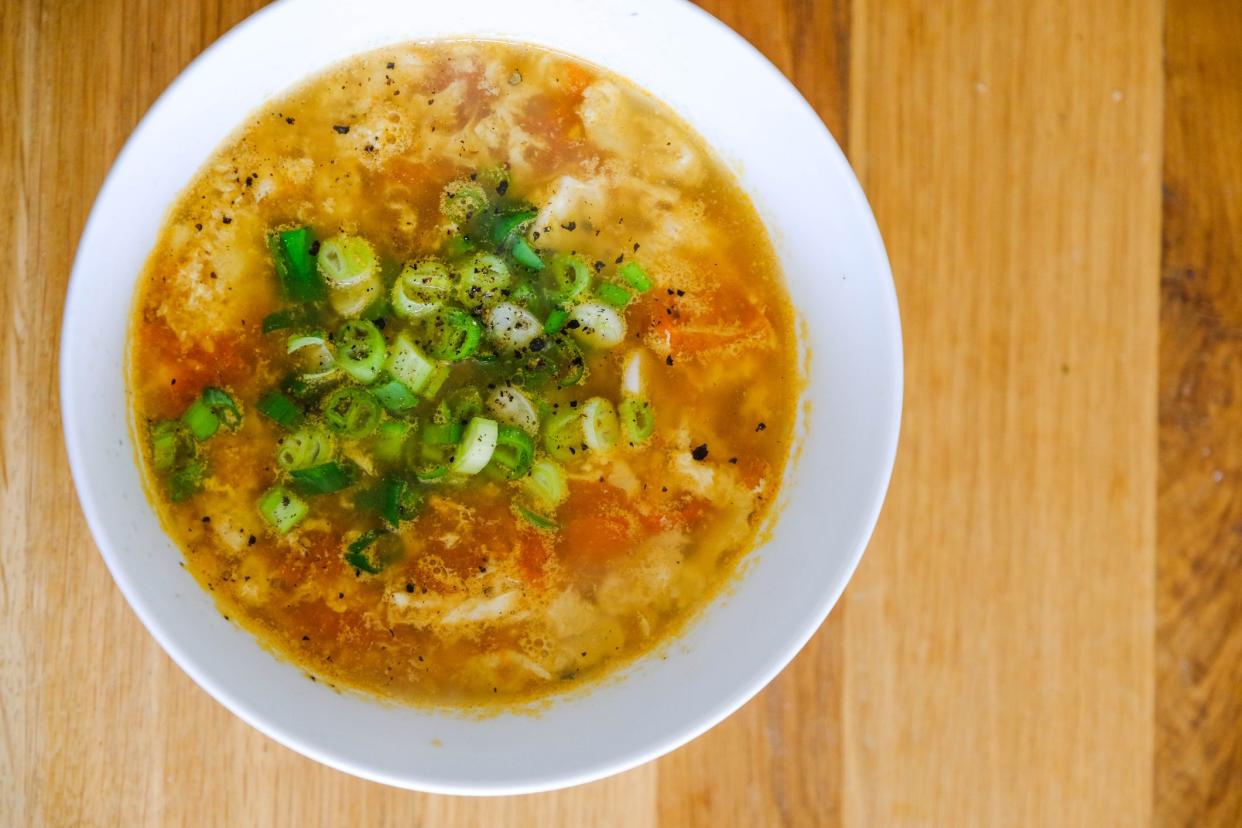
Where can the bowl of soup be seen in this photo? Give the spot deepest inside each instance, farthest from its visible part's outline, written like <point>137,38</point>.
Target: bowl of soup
<point>482,399</point>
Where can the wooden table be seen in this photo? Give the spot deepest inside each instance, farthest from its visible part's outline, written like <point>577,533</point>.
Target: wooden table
<point>1047,627</point>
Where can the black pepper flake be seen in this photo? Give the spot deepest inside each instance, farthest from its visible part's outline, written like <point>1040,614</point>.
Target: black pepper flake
<point>392,65</point>
<point>369,148</point>
<point>314,248</point>
<point>598,266</point>
<point>198,227</point>
<point>573,323</point>
<point>699,452</point>
<point>502,187</point>
<point>251,541</point>
<point>635,247</point>
<point>409,587</point>
<point>340,595</point>
<point>249,181</point>
<point>227,220</point>
<point>306,638</point>
<point>761,426</point>
<point>173,381</point>
<point>573,403</point>
<point>381,322</point>
<point>341,129</point>
<point>681,292</point>
<point>206,518</point>
<point>668,360</point>
<point>288,120</point>
<point>537,344</point>
<point>733,460</point>
<point>570,226</point>
<point>619,259</point>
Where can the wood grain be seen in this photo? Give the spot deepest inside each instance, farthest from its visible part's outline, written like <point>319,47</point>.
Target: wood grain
<point>998,644</point>
<point>1198,773</point>
<point>1012,650</point>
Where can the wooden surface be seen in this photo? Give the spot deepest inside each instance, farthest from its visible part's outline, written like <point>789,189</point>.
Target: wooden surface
<point>1047,627</point>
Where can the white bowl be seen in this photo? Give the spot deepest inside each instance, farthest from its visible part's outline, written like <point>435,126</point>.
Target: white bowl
<point>840,282</point>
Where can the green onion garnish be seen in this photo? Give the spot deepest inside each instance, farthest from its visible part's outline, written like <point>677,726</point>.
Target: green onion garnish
<point>635,276</point>
<point>614,295</point>
<point>295,266</point>
<point>556,321</point>
<point>352,412</point>
<point>395,397</point>
<point>637,419</point>
<point>280,408</point>
<point>356,554</point>
<point>282,509</point>
<point>457,335</point>
<point>325,478</point>
<point>360,350</point>
<point>514,451</point>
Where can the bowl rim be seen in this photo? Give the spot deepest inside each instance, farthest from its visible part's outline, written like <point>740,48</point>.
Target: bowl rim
<point>762,675</point>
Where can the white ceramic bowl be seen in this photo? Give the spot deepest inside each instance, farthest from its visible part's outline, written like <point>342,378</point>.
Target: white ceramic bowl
<point>838,276</point>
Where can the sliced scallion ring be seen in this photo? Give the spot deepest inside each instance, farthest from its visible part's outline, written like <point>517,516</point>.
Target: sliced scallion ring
<point>562,436</point>
<point>346,261</point>
<point>306,447</point>
<point>360,350</point>
<point>172,445</point>
<point>512,326</point>
<point>421,289</point>
<point>600,427</point>
<point>476,446</point>
<point>597,325</point>
<point>457,335</point>
<point>513,452</point>
<point>314,356</point>
<point>408,363</point>
<point>637,419</point>
<point>565,278</point>
<point>546,483</point>
<point>480,280</point>
<point>282,509</point>
<point>512,406</point>
<point>352,412</point>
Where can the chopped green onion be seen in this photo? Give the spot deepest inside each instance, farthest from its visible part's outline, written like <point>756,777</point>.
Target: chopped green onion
<point>512,326</point>
<point>513,452</point>
<point>461,201</point>
<point>457,335</point>
<point>201,420</point>
<point>352,412</point>
<point>295,266</point>
<point>442,434</point>
<point>171,445</point>
<point>395,396</point>
<point>506,227</point>
<point>430,473</point>
<point>306,447</point>
<point>480,280</point>
<point>360,350</point>
<point>556,320</point>
<point>523,294</point>
<point>410,365</point>
<point>598,325</point>
<point>535,519</point>
<point>347,261</point>
<point>280,408</point>
<point>546,483</point>
<point>436,381</point>
<point>600,429</point>
<point>476,446</point>
<point>570,366</point>
<point>614,295</point>
<point>325,478</point>
<point>282,509</point>
<point>186,481</point>
<point>421,289</point>
<point>315,358</point>
<point>565,278</point>
<point>510,405</point>
<point>465,403</point>
<point>390,440</point>
<point>393,499</point>
<point>637,419</point>
<point>525,255</point>
<point>635,276</point>
<point>223,406</point>
<point>563,437</point>
<point>356,554</point>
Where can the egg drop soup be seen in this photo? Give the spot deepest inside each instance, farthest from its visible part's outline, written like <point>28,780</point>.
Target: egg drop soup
<point>462,374</point>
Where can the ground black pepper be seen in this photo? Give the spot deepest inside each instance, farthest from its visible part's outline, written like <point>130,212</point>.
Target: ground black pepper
<point>341,129</point>
<point>699,452</point>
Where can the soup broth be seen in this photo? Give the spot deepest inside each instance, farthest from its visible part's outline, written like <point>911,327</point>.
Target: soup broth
<point>462,373</point>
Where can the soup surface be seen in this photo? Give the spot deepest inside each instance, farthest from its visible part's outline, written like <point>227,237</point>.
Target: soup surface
<point>462,373</point>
